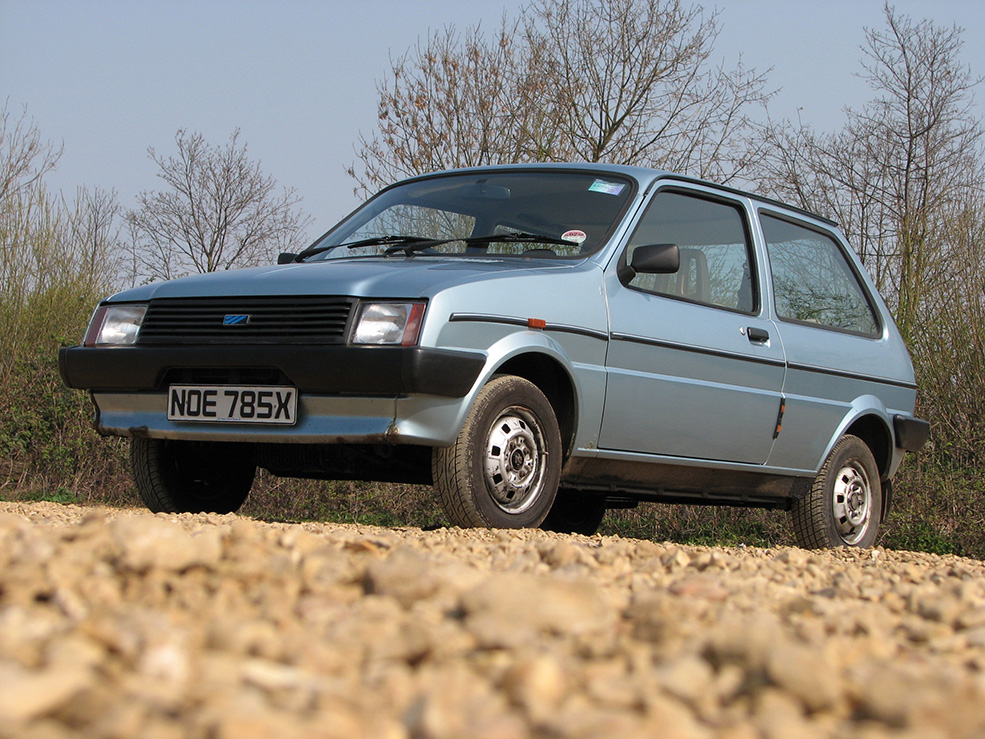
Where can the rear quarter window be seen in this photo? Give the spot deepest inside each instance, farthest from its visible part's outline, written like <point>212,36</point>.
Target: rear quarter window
<point>813,280</point>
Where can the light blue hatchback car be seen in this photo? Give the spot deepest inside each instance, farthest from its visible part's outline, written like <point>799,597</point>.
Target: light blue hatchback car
<point>539,343</point>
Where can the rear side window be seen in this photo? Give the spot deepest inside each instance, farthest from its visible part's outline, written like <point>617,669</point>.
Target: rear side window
<point>716,268</point>
<point>813,281</point>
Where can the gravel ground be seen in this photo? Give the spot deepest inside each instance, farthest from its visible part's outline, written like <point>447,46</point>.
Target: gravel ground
<point>119,623</point>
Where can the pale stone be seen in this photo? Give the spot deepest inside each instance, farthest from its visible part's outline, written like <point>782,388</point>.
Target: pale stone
<point>538,685</point>
<point>703,586</point>
<point>689,678</point>
<point>976,637</point>
<point>28,695</point>
<point>117,623</point>
<point>561,554</point>
<point>510,610</point>
<point>405,575</point>
<point>779,717</point>
<point>804,673</point>
<point>675,558</point>
<point>154,542</point>
<point>275,676</point>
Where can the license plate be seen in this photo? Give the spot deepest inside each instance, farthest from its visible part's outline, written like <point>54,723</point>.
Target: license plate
<point>233,403</point>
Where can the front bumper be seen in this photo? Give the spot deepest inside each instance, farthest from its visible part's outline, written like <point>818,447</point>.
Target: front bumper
<point>345,370</point>
<point>427,420</point>
<point>392,395</point>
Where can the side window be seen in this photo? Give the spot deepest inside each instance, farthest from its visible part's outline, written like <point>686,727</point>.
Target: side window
<point>813,282</point>
<point>716,268</point>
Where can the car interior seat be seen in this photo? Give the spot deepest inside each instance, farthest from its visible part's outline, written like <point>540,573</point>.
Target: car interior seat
<point>692,277</point>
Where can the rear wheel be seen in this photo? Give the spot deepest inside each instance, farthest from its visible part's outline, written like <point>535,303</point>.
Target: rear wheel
<point>844,506</point>
<point>192,476</point>
<point>503,470</point>
<point>575,512</point>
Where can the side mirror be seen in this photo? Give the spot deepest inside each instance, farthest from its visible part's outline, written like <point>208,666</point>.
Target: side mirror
<point>652,259</point>
<point>285,257</point>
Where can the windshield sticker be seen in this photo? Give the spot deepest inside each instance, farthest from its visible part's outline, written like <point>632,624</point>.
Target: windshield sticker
<point>574,235</point>
<point>609,188</point>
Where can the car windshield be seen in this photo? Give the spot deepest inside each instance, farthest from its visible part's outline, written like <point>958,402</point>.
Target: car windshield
<point>545,214</point>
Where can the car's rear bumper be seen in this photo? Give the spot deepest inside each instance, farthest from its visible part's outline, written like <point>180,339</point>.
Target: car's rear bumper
<point>911,433</point>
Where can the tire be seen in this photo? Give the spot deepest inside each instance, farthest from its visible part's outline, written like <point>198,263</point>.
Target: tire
<point>504,468</point>
<point>575,512</point>
<point>192,476</point>
<point>844,506</point>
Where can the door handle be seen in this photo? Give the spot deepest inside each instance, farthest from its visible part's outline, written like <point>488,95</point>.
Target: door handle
<point>758,335</point>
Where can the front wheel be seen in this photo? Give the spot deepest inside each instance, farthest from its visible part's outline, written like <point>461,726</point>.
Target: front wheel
<point>844,506</point>
<point>192,476</point>
<point>504,468</point>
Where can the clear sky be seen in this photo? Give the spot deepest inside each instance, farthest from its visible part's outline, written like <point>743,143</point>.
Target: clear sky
<point>108,78</point>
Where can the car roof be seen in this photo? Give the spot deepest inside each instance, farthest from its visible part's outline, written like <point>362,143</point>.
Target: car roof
<point>643,175</point>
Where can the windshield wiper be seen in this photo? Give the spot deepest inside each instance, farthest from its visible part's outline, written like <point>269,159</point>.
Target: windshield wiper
<point>519,237</point>
<point>399,242</point>
<point>412,244</point>
<point>515,238</point>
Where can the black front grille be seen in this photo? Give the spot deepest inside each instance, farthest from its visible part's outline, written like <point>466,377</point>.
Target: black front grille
<point>247,320</point>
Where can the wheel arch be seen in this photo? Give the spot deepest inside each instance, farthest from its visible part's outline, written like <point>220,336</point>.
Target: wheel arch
<point>872,426</point>
<point>553,379</point>
<point>874,431</point>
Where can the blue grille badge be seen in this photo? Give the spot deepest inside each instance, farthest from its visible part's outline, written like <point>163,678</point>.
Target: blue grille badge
<point>236,319</point>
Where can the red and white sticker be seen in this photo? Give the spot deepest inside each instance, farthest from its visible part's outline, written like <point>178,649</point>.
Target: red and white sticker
<point>574,235</point>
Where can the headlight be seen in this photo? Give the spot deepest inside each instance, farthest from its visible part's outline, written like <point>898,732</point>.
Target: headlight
<point>388,323</point>
<point>115,325</point>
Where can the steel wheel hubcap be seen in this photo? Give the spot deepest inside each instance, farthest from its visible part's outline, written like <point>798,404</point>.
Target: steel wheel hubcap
<point>852,503</point>
<point>514,467</point>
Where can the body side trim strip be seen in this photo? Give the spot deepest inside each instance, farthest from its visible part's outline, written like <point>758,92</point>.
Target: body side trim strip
<point>765,360</point>
<point>850,375</point>
<point>698,349</point>
<point>515,321</point>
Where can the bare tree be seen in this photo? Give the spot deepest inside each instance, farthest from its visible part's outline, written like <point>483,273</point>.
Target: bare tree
<point>632,84</point>
<point>55,264</point>
<point>906,179</point>
<point>55,258</point>
<point>24,158</point>
<point>94,231</point>
<point>453,102</point>
<point>218,211</point>
<point>623,81</point>
<point>949,347</point>
<point>28,215</point>
<point>901,172</point>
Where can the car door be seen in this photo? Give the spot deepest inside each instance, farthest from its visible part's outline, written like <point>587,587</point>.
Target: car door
<point>694,370</point>
<point>841,356</point>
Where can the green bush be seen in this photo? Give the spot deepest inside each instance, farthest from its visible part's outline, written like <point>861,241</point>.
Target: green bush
<point>342,501</point>
<point>938,508</point>
<point>47,442</point>
<point>55,264</point>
